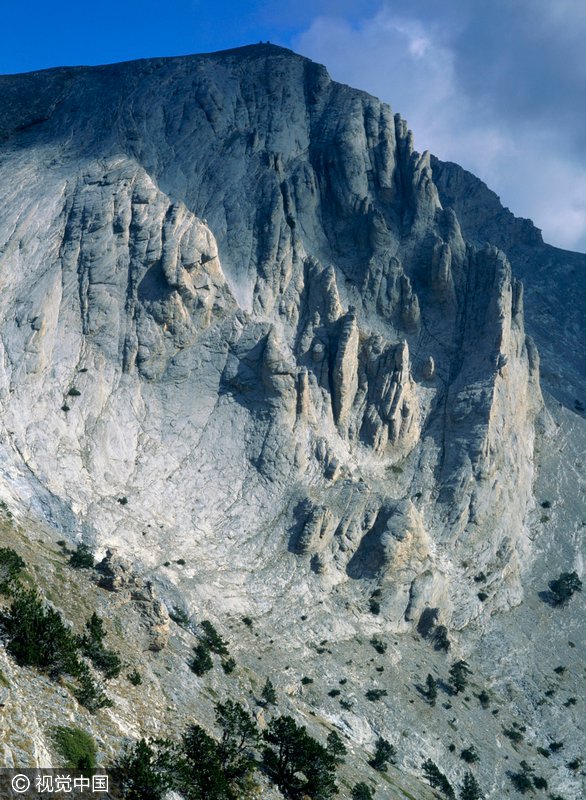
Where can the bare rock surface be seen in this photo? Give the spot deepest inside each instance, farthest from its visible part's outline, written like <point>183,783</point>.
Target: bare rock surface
<point>265,358</point>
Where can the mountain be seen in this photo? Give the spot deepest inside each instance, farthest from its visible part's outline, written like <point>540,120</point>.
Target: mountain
<point>278,364</point>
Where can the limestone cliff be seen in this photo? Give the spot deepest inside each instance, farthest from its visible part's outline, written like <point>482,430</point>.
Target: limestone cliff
<point>226,262</point>
<point>274,359</point>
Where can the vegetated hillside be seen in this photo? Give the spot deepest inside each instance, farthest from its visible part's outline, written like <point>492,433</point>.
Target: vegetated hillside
<point>270,355</point>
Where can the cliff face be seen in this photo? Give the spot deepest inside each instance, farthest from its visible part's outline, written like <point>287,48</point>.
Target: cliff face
<point>275,362</point>
<point>231,296</point>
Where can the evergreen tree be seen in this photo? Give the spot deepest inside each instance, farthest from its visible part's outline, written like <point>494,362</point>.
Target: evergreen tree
<point>38,637</point>
<point>384,754</point>
<point>83,558</point>
<point>336,747</point>
<point>459,672</point>
<point>137,775</point>
<point>89,694</point>
<point>437,779</point>
<point>239,735</point>
<point>199,773</point>
<point>269,694</point>
<point>440,638</point>
<point>470,788</point>
<point>11,565</point>
<point>296,762</point>
<point>201,661</point>
<point>213,639</point>
<point>469,755</point>
<point>563,588</point>
<point>431,690</point>
<point>362,791</point>
<point>91,644</point>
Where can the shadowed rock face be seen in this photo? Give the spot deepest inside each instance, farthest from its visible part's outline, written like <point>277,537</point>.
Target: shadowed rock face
<point>232,295</point>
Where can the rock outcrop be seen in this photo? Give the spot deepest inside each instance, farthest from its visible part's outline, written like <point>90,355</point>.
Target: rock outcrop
<point>231,286</point>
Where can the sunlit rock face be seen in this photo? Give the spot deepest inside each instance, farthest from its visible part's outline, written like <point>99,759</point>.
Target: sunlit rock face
<point>239,326</point>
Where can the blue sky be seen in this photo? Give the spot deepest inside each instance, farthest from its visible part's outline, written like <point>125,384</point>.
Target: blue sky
<point>498,87</point>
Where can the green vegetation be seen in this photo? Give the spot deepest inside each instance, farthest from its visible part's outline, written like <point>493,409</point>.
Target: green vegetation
<point>76,746</point>
<point>469,755</point>
<point>82,558</point>
<point>37,636</point>
<point>515,736</point>
<point>179,616</point>
<point>470,788</point>
<point>522,780</point>
<point>484,699</point>
<point>228,665</point>
<point>135,677</point>
<point>296,762</point>
<point>11,565</point>
<point>139,775</point>
<point>440,639</point>
<point>431,689</point>
<point>362,791</point>
<point>437,779</point>
<point>89,694</point>
<point>459,672</point>
<point>374,608</point>
<point>384,753</point>
<point>202,660</point>
<point>378,645</point>
<point>213,640</point>
<point>374,602</point>
<point>375,694</point>
<point>336,747</point>
<point>91,645</point>
<point>563,588</point>
<point>268,694</point>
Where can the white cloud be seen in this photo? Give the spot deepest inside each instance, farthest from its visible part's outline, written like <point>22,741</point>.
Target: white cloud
<point>415,64</point>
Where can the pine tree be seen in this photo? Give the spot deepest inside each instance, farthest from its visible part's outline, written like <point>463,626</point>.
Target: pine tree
<point>269,694</point>
<point>384,753</point>
<point>136,774</point>
<point>563,588</point>
<point>459,672</point>
<point>38,637</point>
<point>470,788</point>
<point>296,762</point>
<point>89,694</point>
<point>198,771</point>
<point>239,735</point>
<point>440,638</point>
<point>213,639</point>
<point>83,558</point>
<point>437,779</point>
<point>336,747</point>
<point>91,644</point>
<point>362,791</point>
<point>201,661</point>
<point>11,565</point>
<point>431,692</point>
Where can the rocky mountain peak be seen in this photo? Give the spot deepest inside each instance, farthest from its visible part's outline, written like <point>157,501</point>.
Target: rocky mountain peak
<point>247,329</point>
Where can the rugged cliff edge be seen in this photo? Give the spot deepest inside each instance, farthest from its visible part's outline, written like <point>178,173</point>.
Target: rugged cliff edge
<point>244,324</point>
